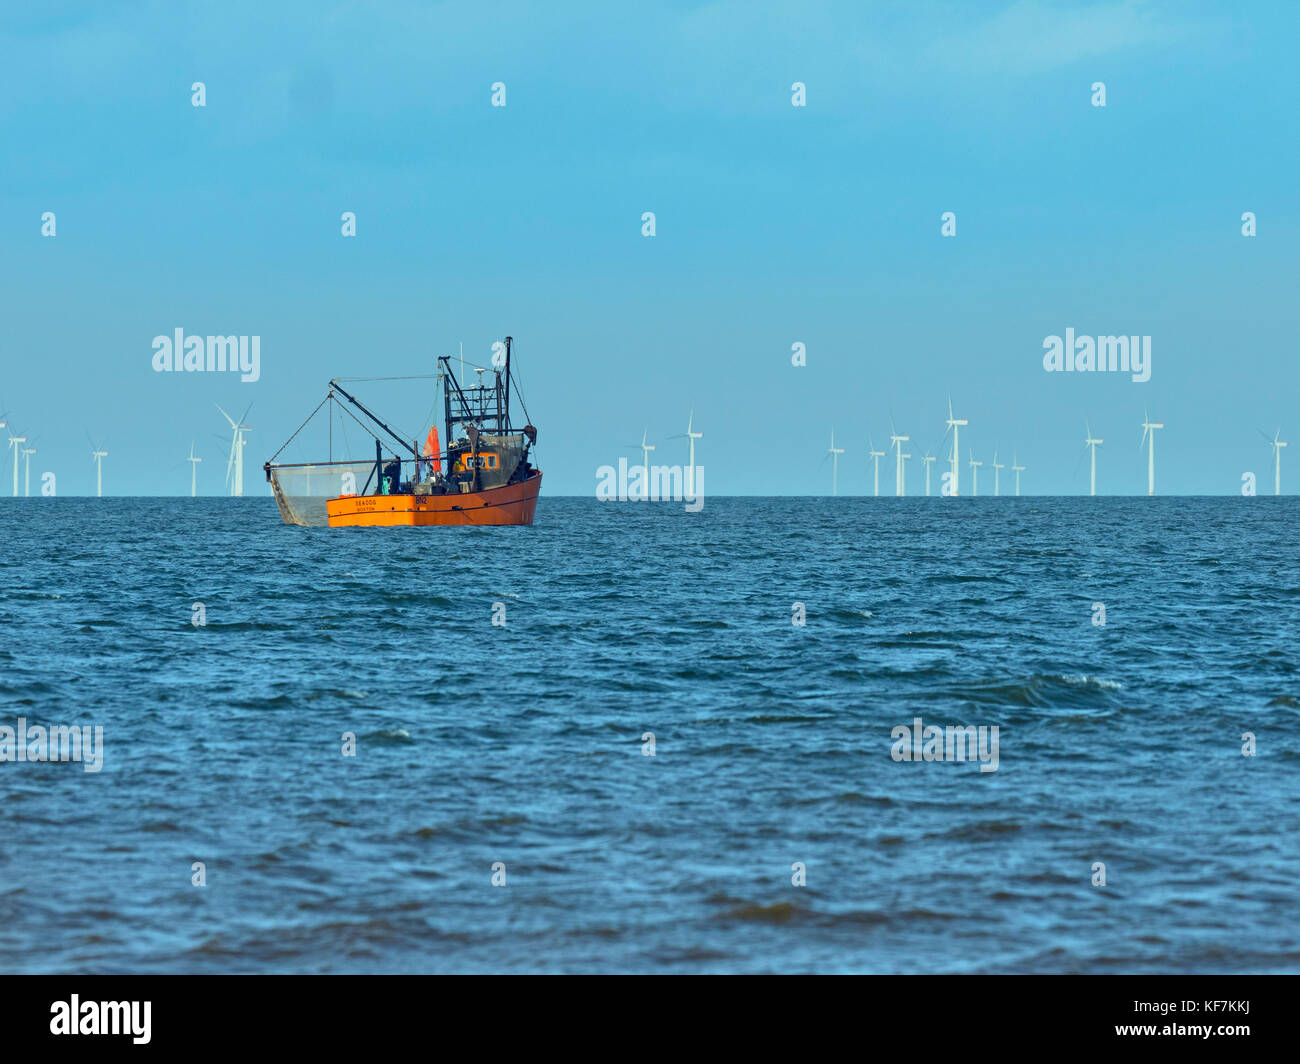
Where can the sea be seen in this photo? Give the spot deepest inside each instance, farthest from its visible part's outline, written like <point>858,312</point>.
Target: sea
<point>636,739</point>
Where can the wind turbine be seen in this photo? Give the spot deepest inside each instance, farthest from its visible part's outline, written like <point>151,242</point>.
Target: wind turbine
<point>954,423</point>
<point>646,448</point>
<point>194,471</point>
<point>896,441</point>
<point>974,475</point>
<point>27,475</point>
<point>926,460</point>
<point>835,453</point>
<point>996,467</point>
<point>875,456</point>
<point>1277,445</point>
<point>692,436</point>
<point>1149,428</point>
<point>236,460</point>
<point>14,441</point>
<point>1018,470</point>
<point>1090,442</point>
<point>97,456</point>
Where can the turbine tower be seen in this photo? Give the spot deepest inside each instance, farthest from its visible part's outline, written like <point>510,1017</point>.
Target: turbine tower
<point>14,441</point>
<point>1090,442</point>
<point>996,467</point>
<point>692,436</point>
<point>1277,445</point>
<point>1018,470</point>
<point>954,423</point>
<point>27,475</point>
<point>194,471</point>
<point>896,441</point>
<point>835,453</point>
<point>646,448</point>
<point>974,475</point>
<point>875,456</point>
<point>235,463</point>
<point>97,456</point>
<point>1149,429</point>
<point>926,460</point>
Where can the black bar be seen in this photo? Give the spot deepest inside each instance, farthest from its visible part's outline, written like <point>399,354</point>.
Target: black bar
<point>354,1014</point>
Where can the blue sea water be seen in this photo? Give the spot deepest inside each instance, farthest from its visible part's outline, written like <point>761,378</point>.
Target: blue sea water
<point>522,744</point>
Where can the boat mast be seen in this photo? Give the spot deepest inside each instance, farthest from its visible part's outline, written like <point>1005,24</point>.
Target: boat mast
<point>446,402</point>
<point>500,426</point>
<point>506,428</point>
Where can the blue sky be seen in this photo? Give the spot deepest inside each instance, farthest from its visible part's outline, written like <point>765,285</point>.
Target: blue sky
<point>775,224</point>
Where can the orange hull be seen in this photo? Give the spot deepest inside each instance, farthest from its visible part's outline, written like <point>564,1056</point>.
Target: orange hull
<point>513,504</point>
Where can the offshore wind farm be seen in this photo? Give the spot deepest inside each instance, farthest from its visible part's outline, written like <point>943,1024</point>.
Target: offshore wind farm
<point>946,444</point>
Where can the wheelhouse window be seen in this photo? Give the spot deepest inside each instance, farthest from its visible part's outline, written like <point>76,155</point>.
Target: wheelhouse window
<point>481,461</point>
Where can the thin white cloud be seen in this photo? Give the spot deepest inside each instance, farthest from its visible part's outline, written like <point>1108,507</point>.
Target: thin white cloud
<point>1030,36</point>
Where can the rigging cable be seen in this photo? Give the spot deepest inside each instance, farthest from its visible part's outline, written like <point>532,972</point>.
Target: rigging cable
<point>300,428</point>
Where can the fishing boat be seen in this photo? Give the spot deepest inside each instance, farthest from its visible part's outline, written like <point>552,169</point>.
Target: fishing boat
<point>484,477</point>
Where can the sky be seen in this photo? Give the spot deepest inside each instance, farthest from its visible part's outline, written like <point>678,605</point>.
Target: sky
<point>774,225</point>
